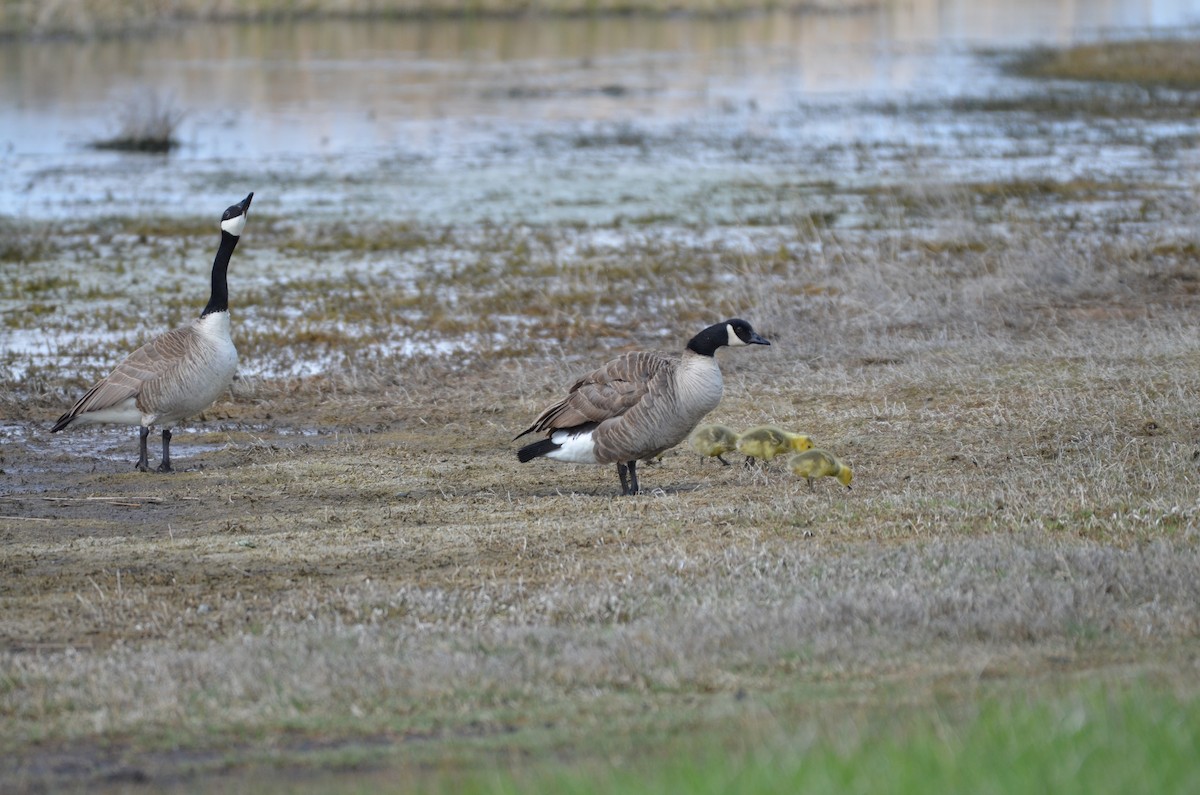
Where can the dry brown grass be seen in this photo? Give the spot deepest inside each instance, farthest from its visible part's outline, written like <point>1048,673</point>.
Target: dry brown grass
<point>1170,63</point>
<point>145,124</point>
<point>357,557</point>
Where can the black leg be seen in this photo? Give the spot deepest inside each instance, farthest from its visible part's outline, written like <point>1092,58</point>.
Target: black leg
<point>621,475</point>
<point>143,463</point>
<point>633,484</point>
<point>165,466</point>
<point>723,461</point>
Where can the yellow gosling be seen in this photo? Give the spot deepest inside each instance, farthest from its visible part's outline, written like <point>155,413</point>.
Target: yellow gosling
<point>768,441</point>
<point>713,440</point>
<point>800,442</point>
<point>817,463</point>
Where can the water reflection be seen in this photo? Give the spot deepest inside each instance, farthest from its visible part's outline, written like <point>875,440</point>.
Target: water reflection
<point>460,90</point>
<point>561,67</point>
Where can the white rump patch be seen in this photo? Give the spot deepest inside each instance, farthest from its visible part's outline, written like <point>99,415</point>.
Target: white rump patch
<point>124,413</point>
<point>234,226</point>
<point>577,448</point>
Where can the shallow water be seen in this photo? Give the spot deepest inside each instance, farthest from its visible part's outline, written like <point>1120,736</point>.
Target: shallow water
<point>577,120</point>
<point>608,136</point>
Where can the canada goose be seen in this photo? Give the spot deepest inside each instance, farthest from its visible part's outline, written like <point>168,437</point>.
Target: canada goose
<point>712,441</point>
<point>817,463</point>
<point>768,441</point>
<point>637,405</point>
<point>176,374</point>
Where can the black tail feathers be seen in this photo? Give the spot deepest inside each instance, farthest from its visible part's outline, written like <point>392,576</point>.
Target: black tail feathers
<point>538,448</point>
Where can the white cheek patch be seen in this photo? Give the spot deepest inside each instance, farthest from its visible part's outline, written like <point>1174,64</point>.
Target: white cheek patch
<point>734,339</point>
<point>234,226</point>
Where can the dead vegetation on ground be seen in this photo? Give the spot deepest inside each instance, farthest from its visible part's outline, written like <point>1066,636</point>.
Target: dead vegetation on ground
<point>358,554</point>
<point>351,556</point>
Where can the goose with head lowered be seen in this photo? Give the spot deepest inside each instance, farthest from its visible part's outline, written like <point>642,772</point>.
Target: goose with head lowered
<point>637,405</point>
<point>176,374</point>
<point>765,442</point>
<point>713,441</point>
<point>817,463</point>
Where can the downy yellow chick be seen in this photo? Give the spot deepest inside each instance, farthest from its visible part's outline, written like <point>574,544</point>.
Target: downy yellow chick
<point>712,440</point>
<point>768,441</point>
<point>817,463</point>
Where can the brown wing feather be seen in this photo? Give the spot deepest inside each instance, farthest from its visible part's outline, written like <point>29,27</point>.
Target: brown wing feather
<point>136,373</point>
<point>604,393</point>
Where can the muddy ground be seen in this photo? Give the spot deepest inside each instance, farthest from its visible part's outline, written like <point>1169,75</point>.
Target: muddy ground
<point>991,315</point>
<point>298,511</point>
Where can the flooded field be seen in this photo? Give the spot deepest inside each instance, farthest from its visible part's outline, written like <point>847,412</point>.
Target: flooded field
<point>395,151</point>
<point>981,291</point>
<point>559,121</point>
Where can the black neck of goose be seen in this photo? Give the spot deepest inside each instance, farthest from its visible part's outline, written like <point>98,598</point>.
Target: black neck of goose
<point>219,300</point>
<point>706,342</point>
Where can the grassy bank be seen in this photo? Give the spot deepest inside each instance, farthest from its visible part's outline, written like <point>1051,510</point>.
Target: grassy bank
<point>1070,738</point>
<point>353,573</point>
<point>1165,63</point>
<point>1136,737</point>
<point>85,18</point>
